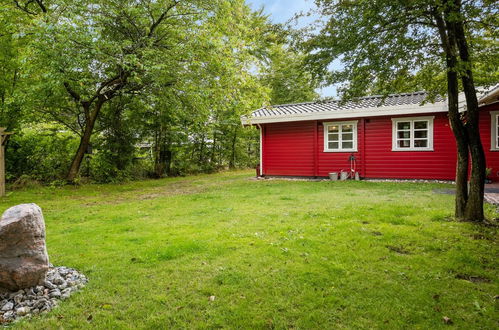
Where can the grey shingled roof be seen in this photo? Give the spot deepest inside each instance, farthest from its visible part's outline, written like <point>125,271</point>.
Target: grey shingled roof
<point>416,98</point>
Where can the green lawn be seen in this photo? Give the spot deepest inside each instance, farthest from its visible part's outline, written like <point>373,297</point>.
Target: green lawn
<point>275,254</point>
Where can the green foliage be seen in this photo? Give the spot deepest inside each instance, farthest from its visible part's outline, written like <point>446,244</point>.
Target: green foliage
<point>41,153</point>
<point>287,77</point>
<point>163,81</point>
<point>114,148</point>
<point>394,46</point>
<point>275,253</point>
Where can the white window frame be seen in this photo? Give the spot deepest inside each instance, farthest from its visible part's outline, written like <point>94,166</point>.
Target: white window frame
<point>395,122</point>
<point>494,130</point>
<point>354,132</point>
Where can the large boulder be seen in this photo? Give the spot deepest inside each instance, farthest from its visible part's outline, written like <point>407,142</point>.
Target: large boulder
<point>24,260</point>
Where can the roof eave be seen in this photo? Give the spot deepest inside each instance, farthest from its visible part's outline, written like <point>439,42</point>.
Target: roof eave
<point>490,97</point>
<point>351,113</point>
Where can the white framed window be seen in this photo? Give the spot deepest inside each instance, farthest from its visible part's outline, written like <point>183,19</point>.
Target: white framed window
<point>340,136</point>
<point>412,134</point>
<point>494,134</point>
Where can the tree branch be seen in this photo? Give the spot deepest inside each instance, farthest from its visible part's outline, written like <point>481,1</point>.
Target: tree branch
<point>41,5</point>
<point>156,23</point>
<point>71,92</point>
<point>25,8</point>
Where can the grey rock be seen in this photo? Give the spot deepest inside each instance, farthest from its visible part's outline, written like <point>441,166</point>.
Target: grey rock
<point>13,294</point>
<point>22,311</point>
<point>18,299</point>
<point>58,280</point>
<point>9,316</point>
<point>7,306</point>
<point>55,293</point>
<point>41,298</point>
<point>23,253</point>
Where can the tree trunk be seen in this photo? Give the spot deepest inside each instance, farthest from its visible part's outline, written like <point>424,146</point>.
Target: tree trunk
<point>447,37</point>
<point>158,167</point>
<point>84,141</point>
<point>163,161</point>
<point>168,161</point>
<point>474,206</point>
<point>232,162</point>
<point>469,204</point>
<point>213,150</point>
<point>201,151</point>
<point>461,139</point>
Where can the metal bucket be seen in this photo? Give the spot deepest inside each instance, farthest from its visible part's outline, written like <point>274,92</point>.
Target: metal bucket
<point>333,176</point>
<point>343,176</point>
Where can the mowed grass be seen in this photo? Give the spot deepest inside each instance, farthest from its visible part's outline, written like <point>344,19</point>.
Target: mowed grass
<point>274,253</point>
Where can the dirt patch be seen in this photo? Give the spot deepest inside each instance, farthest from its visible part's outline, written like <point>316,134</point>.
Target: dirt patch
<point>474,279</point>
<point>169,189</point>
<point>177,188</point>
<point>480,237</point>
<point>398,249</point>
<point>444,191</point>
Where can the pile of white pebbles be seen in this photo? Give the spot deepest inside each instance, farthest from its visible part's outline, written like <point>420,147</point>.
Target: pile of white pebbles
<point>60,284</point>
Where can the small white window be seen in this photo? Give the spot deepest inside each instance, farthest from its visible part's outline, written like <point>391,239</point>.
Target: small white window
<point>412,134</point>
<point>494,143</point>
<point>340,136</point>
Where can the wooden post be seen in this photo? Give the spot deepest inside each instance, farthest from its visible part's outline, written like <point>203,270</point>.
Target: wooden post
<point>4,136</point>
<point>2,163</point>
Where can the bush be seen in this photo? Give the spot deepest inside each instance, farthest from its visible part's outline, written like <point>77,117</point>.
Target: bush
<point>40,154</point>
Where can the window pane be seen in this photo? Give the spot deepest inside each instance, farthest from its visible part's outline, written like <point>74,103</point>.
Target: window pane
<point>404,143</point>
<point>347,136</point>
<point>347,145</point>
<point>333,136</point>
<point>420,125</point>
<point>420,134</point>
<point>347,128</point>
<point>404,125</point>
<point>420,143</point>
<point>404,135</point>
<point>332,128</point>
<point>333,145</point>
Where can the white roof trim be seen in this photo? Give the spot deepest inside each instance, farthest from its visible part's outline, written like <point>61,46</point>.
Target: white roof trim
<point>351,113</point>
<point>491,96</point>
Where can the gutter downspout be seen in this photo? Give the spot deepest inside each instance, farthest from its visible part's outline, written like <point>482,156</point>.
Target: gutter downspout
<point>261,148</point>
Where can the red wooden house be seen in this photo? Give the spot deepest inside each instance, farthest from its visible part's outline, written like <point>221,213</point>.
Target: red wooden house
<point>396,137</point>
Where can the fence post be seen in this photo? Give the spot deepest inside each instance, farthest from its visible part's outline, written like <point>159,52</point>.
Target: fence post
<point>4,136</point>
<point>2,163</point>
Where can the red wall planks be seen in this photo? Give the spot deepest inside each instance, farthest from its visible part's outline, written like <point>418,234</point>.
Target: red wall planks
<point>297,149</point>
<point>491,156</point>
<point>382,162</point>
<point>289,149</point>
